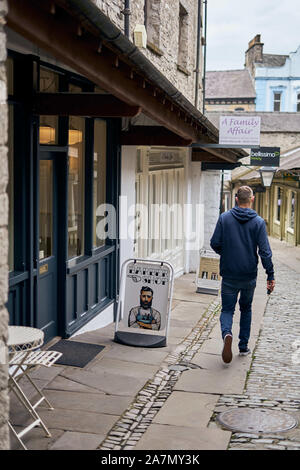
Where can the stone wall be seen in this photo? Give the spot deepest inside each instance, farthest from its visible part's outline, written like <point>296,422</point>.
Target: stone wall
<point>4,437</point>
<point>164,54</point>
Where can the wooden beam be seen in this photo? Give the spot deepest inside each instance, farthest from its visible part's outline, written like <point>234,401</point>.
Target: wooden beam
<point>57,35</point>
<point>82,104</point>
<point>152,135</point>
<point>204,156</point>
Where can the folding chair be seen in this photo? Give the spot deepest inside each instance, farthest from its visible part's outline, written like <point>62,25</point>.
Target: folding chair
<point>24,363</point>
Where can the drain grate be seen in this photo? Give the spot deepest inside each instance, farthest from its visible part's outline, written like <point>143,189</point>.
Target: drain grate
<point>181,366</point>
<point>256,420</point>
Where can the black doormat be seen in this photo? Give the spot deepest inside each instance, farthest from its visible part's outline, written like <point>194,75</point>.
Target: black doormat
<point>75,353</point>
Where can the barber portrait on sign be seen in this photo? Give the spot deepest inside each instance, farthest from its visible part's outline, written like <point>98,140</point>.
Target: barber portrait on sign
<point>145,316</point>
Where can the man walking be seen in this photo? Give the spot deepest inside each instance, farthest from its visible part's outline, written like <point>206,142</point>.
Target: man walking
<point>239,234</point>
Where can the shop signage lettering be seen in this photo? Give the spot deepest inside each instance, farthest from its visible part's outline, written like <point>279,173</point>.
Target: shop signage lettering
<point>265,156</point>
<point>242,130</point>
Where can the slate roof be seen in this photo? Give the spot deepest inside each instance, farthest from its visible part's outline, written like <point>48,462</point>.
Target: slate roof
<point>229,84</point>
<point>272,60</point>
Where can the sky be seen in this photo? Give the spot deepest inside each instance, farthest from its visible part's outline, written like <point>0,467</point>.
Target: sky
<point>231,24</point>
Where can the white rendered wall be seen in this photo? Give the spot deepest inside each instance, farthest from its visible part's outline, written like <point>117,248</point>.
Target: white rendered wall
<point>211,184</point>
<point>194,216</point>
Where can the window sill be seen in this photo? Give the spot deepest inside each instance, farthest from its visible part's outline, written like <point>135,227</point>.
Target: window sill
<point>183,70</point>
<point>155,49</point>
<point>290,230</point>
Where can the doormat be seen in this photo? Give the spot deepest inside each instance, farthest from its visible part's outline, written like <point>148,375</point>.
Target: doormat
<point>74,353</point>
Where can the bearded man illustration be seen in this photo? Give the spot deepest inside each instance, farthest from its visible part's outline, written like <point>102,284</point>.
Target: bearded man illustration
<point>145,316</point>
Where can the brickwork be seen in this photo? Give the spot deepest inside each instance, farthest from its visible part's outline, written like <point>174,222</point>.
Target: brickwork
<point>4,439</point>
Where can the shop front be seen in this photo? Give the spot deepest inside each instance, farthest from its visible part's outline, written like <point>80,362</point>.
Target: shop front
<point>62,170</point>
<point>75,86</point>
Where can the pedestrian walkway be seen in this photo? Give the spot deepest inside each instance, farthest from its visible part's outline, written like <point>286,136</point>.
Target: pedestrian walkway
<point>168,398</point>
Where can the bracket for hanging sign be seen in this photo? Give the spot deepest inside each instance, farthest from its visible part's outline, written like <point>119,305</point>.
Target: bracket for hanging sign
<point>145,299</point>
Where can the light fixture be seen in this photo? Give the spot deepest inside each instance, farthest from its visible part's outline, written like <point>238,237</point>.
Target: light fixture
<point>47,134</point>
<point>267,174</point>
<point>140,36</point>
<point>75,136</point>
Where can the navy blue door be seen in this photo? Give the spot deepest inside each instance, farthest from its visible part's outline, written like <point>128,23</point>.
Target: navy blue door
<point>47,246</point>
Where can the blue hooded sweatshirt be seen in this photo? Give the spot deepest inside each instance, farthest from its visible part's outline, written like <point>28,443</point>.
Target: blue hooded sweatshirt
<point>239,237</point>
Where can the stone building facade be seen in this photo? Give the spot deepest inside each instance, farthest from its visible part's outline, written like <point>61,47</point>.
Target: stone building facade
<point>171,36</point>
<point>4,438</point>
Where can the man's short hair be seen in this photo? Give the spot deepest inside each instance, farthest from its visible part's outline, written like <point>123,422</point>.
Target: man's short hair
<point>146,289</point>
<point>244,194</point>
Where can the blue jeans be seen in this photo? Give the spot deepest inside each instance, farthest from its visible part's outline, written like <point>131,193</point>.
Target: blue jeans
<point>229,294</point>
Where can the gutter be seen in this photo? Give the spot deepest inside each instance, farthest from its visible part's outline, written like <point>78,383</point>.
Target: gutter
<point>91,16</point>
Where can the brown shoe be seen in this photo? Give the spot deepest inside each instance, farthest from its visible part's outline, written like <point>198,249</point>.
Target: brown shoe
<point>227,353</point>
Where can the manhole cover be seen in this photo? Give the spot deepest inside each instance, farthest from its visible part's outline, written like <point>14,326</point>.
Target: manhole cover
<point>184,366</point>
<point>256,420</point>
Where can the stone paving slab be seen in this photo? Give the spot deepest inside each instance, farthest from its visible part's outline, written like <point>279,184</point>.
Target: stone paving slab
<point>117,366</point>
<point>98,403</point>
<point>69,385</point>
<point>187,409</point>
<point>77,420</point>
<point>166,437</point>
<point>77,441</point>
<point>217,378</point>
<point>35,439</point>
<point>135,354</point>
<point>107,382</point>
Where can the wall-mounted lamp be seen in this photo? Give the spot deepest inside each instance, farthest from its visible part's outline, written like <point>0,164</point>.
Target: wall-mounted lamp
<point>267,174</point>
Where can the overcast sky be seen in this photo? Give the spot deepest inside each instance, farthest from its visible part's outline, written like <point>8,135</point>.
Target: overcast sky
<point>231,24</point>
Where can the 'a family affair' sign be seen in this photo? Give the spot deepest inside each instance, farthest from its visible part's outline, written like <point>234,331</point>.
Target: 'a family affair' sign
<point>239,130</point>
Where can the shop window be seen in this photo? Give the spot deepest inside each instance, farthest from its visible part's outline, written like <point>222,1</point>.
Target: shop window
<point>298,102</point>
<point>76,186</point>
<point>99,189</point>
<point>10,187</point>
<point>278,203</point>
<point>277,102</point>
<point>49,83</point>
<point>183,37</point>
<point>46,209</point>
<point>292,210</point>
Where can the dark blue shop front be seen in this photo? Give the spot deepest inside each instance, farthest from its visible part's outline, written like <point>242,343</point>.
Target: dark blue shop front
<point>63,169</point>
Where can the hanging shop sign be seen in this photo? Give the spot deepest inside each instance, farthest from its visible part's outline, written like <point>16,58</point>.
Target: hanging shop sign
<point>265,156</point>
<point>144,305</point>
<point>239,130</point>
<point>208,274</point>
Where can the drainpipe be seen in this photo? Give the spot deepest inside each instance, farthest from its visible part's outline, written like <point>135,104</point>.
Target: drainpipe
<point>198,55</point>
<point>204,65</point>
<point>126,13</point>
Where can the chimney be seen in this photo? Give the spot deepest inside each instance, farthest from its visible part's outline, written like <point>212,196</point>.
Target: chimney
<point>254,54</point>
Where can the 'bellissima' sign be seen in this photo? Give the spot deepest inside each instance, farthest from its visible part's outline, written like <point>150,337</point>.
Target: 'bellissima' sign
<point>239,130</point>
<point>265,156</point>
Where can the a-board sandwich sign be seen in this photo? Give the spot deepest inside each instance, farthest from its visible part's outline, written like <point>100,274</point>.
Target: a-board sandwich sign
<point>208,274</point>
<point>265,156</point>
<point>144,306</point>
<point>239,130</point>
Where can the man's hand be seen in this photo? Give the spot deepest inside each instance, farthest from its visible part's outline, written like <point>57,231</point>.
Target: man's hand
<point>270,286</point>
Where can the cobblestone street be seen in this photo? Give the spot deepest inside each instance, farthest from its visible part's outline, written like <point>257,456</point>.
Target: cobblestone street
<point>274,379</point>
<point>137,399</point>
